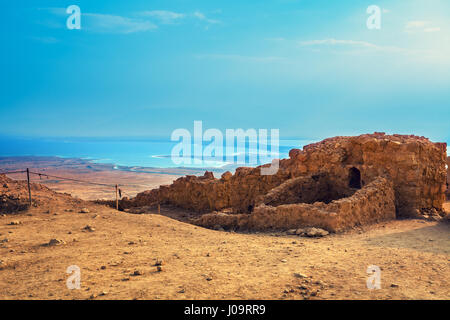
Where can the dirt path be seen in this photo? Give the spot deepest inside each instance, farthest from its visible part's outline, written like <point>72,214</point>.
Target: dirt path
<point>117,259</point>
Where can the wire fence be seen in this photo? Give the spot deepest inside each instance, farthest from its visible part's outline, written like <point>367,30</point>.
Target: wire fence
<point>118,191</point>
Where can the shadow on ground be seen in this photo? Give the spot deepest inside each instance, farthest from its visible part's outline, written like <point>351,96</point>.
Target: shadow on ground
<point>434,239</point>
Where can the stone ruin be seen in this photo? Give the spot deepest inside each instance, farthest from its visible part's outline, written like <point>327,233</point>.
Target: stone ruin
<point>448,178</point>
<point>335,184</point>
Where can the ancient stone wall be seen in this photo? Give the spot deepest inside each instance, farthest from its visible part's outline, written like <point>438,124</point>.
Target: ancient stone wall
<point>415,166</point>
<point>304,189</point>
<point>206,193</point>
<point>373,203</point>
<point>448,178</point>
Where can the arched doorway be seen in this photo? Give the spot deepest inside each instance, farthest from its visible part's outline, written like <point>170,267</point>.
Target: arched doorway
<point>354,178</point>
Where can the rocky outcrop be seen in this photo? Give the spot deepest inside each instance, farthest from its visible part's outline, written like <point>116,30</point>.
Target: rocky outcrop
<point>14,195</point>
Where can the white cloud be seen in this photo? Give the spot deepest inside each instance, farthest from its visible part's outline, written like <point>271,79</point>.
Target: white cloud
<point>201,16</point>
<point>236,57</point>
<point>420,26</point>
<point>353,44</point>
<point>106,23</point>
<point>416,24</point>
<point>436,29</point>
<point>165,17</point>
<point>142,21</point>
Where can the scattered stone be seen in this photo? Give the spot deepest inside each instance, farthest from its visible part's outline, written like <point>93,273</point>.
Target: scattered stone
<point>55,242</point>
<point>159,268</point>
<point>15,223</point>
<point>158,262</point>
<point>291,232</point>
<point>300,275</point>
<point>137,273</point>
<point>5,185</point>
<point>84,210</point>
<point>311,232</point>
<point>89,228</point>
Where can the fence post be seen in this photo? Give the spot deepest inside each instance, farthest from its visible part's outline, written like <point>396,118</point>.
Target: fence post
<point>117,197</point>
<point>29,189</point>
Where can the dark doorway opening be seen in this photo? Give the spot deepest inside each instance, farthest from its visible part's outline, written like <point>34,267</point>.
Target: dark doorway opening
<point>354,178</point>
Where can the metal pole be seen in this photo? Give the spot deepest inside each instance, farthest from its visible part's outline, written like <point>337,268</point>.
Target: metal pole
<point>29,189</point>
<point>117,197</point>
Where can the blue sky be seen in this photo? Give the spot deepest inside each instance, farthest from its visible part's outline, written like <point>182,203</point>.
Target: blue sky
<point>310,68</point>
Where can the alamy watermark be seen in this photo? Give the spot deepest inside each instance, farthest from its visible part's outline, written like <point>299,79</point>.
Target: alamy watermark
<point>374,20</point>
<point>374,279</point>
<point>74,280</point>
<point>74,20</point>
<point>232,149</point>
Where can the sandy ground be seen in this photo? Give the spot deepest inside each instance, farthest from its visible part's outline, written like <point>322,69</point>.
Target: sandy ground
<point>117,259</point>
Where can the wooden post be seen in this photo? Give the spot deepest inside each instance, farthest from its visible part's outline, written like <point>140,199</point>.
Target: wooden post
<point>29,189</point>
<point>117,197</point>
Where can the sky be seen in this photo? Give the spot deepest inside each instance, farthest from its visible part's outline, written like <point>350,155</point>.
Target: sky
<point>310,68</point>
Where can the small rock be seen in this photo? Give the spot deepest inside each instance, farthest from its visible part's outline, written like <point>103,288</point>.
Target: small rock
<point>316,232</point>
<point>182,291</point>
<point>158,262</point>
<point>137,273</point>
<point>208,279</point>
<point>394,285</point>
<point>291,232</point>
<point>284,260</point>
<point>15,223</point>
<point>56,242</point>
<point>103,293</point>
<point>300,275</point>
<point>89,228</point>
<point>84,210</point>
<point>103,267</point>
<point>159,268</point>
